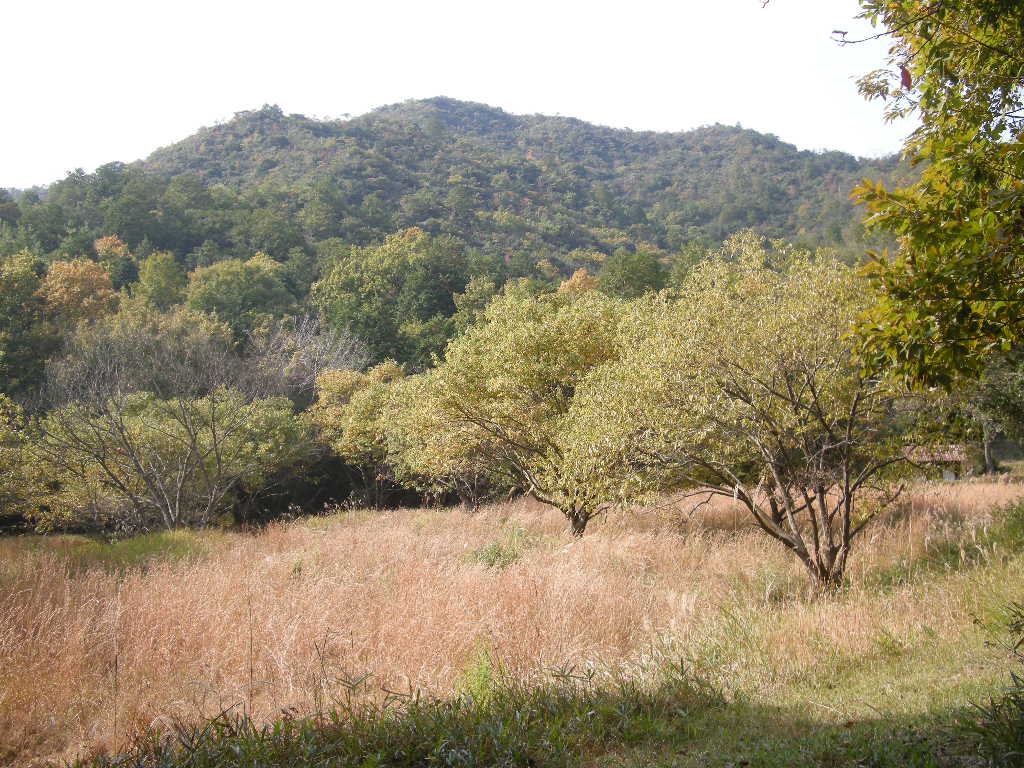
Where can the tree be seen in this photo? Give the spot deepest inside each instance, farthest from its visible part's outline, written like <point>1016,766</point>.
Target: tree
<point>24,340</point>
<point>156,421</point>
<point>351,417</point>
<point>136,461</point>
<point>993,404</point>
<point>630,275</point>
<point>580,281</point>
<point>191,354</point>
<point>205,255</point>
<point>472,302</point>
<point>244,294</point>
<point>9,211</point>
<point>179,354</point>
<point>952,291</point>
<point>117,259</point>
<point>501,398</point>
<point>17,488</point>
<point>77,290</point>
<point>290,357</point>
<point>161,280</point>
<point>397,296</point>
<point>745,387</point>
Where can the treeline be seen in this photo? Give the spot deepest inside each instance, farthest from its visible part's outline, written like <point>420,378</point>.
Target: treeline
<point>180,397</point>
<point>403,298</point>
<point>291,187</point>
<point>185,400</point>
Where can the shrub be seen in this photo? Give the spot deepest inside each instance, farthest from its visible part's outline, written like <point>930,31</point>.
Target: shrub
<point>998,724</point>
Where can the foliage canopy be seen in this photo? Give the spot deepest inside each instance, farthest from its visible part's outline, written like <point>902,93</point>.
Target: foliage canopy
<point>499,402</point>
<point>952,292</point>
<point>745,387</point>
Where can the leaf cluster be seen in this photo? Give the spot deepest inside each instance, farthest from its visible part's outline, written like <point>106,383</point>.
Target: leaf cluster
<point>950,295</point>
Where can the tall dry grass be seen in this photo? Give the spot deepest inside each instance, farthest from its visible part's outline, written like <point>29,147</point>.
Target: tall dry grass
<point>284,618</point>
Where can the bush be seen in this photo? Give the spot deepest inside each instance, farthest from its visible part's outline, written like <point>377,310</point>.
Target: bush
<point>999,724</point>
<point>504,551</point>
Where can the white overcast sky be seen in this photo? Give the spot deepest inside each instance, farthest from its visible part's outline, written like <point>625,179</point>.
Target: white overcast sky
<point>92,82</point>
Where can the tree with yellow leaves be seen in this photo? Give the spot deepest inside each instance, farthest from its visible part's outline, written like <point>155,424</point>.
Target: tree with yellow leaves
<point>78,290</point>
<point>499,403</point>
<point>746,387</point>
<point>351,417</point>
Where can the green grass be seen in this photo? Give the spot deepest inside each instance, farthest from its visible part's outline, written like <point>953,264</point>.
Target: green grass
<point>555,724</point>
<point>572,721</point>
<point>505,550</point>
<point>81,552</point>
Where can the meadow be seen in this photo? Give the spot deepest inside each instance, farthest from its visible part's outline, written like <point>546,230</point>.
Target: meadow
<point>102,642</point>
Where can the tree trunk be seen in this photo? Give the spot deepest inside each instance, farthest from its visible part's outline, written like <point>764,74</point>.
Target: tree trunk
<point>990,463</point>
<point>827,577</point>
<point>578,520</point>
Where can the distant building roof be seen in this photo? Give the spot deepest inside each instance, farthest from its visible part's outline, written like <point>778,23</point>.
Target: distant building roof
<point>936,454</point>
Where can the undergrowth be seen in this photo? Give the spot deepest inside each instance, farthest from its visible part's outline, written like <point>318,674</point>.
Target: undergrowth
<point>998,724</point>
<point>1005,536</point>
<point>560,723</point>
<point>505,550</point>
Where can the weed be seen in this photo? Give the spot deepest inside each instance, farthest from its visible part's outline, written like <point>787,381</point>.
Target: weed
<point>998,724</point>
<point>506,550</point>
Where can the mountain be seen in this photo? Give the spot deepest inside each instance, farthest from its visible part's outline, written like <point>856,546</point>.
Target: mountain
<point>547,185</point>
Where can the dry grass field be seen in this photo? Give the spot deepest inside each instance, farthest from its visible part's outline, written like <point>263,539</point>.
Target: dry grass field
<point>97,643</point>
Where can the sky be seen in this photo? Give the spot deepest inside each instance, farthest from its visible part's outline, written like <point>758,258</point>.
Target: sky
<point>93,82</point>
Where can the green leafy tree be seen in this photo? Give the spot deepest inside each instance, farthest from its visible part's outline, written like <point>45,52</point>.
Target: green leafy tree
<point>205,255</point>
<point>472,302</point>
<point>428,453</point>
<point>629,275</point>
<point>24,340</point>
<point>161,280</point>
<point>117,259</point>
<point>244,294</point>
<point>18,489</point>
<point>989,406</point>
<point>351,415</point>
<point>300,271</point>
<point>999,398</point>
<point>398,296</point>
<point>501,399</point>
<point>9,211</point>
<point>745,387</point>
<point>688,257</point>
<point>953,290</point>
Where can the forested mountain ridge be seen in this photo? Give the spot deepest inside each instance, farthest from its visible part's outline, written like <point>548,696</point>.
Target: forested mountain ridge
<point>551,185</point>
<point>560,179</point>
